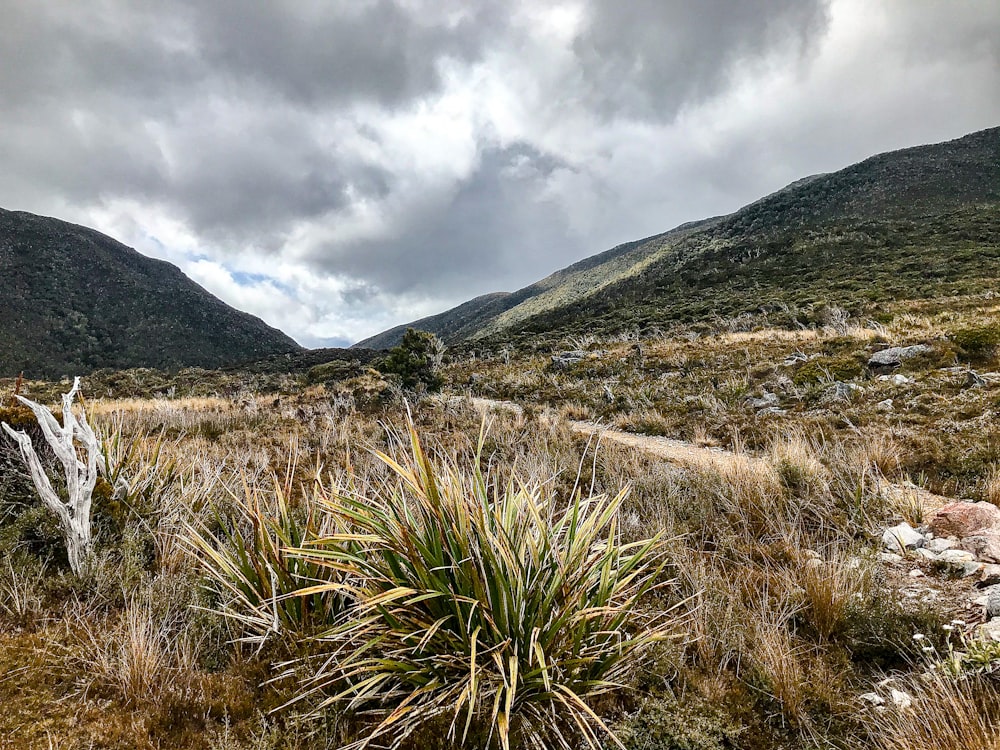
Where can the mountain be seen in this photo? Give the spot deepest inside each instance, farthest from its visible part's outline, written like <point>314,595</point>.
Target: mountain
<point>914,223</point>
<point>75,300</point>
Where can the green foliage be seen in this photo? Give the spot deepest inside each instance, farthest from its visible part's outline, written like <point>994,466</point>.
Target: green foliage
<point>262,587</point>
<point>827,368</point>
<point>488,605</point>
<point>417,360</point>
<point>978,343</point>
<point>666,724</point>
<point>337,369</point>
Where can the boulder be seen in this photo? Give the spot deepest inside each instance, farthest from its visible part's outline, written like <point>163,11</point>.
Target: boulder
<point>966,519</point>
<point>901,537</point>
<point>989,631</point>
<point>896,355</point>
<point>768,400</point>
<point>993,601</point>
<point>940,545</point>
<point>985,547</point>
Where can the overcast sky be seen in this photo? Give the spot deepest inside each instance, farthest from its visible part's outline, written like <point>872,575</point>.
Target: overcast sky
<point>340,167</point>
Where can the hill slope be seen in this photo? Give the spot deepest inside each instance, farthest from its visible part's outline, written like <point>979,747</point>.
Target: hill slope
<point>76,300</point>
<point>912,223</point>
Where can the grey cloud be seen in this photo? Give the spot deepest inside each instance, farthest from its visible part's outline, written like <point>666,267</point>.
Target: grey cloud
<point>496,230</point>
<point>651,57</point>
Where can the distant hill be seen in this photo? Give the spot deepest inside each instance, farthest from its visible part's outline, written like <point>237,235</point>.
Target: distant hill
<point>918,222</point>
<point>75,300</point>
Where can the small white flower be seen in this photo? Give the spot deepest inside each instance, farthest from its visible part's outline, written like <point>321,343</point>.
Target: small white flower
<point>927,649</point>
<point>959,623</point>
<point>918,636</point>
<point>947,628</point>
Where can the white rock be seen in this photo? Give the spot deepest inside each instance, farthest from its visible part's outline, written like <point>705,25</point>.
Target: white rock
<point>940,545</point>
<point>872,698</point>
<point>901,537</point>
<point>993,601</point>
<point>989,631</point>
<point>901,699</point>
<point>957,556</point>
<point>884,405</point>
<point>927,554</point>
<point>898,379</point>
<point>890,557</point>
<point>916,573</point>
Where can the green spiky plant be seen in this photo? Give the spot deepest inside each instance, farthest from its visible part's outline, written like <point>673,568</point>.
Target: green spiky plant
<point>264,589</point>
<point>482,604</point>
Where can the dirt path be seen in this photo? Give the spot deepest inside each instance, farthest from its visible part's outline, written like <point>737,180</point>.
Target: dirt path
<point>684,453</point>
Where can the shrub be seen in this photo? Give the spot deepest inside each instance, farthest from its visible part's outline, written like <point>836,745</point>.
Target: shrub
<point>417,360</point>
<point>827,368</point>
<point>481,602</point>
<point>978,343</point>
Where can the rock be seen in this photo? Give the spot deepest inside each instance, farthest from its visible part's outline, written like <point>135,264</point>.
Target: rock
<point>901,537</point>
<point>873,699</point>
<point>956,556</point>
<point>993,601</point>
<point>884,405</point>
<point>985,547</point>
<point>901,699</point>
<point>765,401</point>
<point>898,379</point>
<point>973,380</point>
<point>965,519</point>
<point>895,356</point>
<point>927,554</point>
<point>967,569</point>
<point>940,544</point>
<point>890,557</point>
<point>841,391</point>
<point>989,631</point>
<point>990,575</point>
<point>563,360</point>
<point>916,573</point>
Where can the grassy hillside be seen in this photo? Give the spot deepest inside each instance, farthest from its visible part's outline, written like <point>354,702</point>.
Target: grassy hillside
<point>914,223</point>
<point>76,300</point>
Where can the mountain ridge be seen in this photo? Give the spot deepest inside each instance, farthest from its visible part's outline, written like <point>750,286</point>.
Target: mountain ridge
<point>929,196</point>
<point>77,300</point>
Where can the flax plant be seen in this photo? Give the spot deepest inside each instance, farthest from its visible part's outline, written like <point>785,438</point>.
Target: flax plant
<point>263,588</point>
<point>479,605</point>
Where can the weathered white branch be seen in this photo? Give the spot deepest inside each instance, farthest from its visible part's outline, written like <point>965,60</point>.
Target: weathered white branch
<point>74,513</point>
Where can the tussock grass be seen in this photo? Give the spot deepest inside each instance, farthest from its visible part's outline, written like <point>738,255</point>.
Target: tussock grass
<point>486,604</point>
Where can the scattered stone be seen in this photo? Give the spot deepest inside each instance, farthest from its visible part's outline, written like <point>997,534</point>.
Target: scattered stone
<point>898,379</point>
<point>890,557</point>
<point>896,355</point>
<point>990,575</point>
<point>901,537</point>
<point>916,573</point>
<point>967,569</point>
<point>965,519</point>
<point>563,360</point>
<point>765,401</point>
<point>901,699</point>
<point>884,405</point>
<point>841,391</point>
<point>956,556</point>
<point>927,554</point>
<point>989,631</point>
<point>993,601</point>
<point>973,380</point>
<point>985,547</point>
<point>873,699</point>
<point>939,544</point>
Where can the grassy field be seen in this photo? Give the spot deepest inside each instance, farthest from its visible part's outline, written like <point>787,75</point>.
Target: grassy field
<point>279,563</point>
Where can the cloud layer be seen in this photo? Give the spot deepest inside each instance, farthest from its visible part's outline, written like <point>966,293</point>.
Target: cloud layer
<point>337,168</point>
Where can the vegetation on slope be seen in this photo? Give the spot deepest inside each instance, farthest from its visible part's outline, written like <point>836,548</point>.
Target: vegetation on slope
<point>76,301</point>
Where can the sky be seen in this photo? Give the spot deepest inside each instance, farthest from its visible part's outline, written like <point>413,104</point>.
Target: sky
<point>341,167</point>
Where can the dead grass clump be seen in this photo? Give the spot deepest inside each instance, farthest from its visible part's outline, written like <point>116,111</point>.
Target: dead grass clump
<point>954,713</point>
